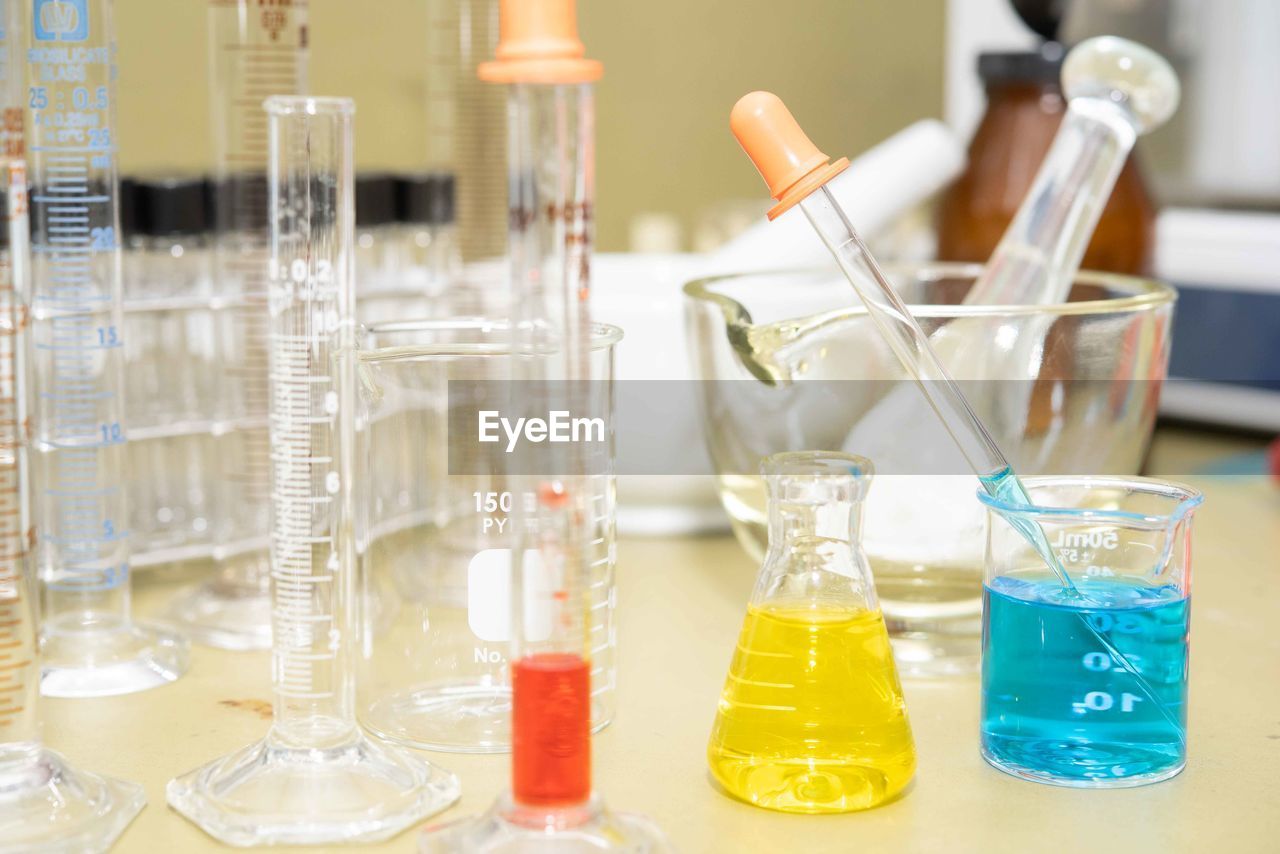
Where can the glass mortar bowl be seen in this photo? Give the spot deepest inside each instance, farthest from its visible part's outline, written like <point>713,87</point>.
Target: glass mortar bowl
<point>789,361</point>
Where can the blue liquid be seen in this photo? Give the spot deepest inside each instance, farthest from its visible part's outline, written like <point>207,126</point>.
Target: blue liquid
<point>1059,706</point>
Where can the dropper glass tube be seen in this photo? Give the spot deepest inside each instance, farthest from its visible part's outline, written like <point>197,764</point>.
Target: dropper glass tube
<point>90,645</point>
<point>551,158</point>
<point>316,778</point>
<point>911,345</point>
<point>45,803</point>
<point>256,50</point>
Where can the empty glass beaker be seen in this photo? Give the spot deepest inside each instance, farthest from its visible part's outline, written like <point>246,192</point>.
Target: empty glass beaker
<point>812,717</point>
<point>1088,687</point>
<point>436,552</point>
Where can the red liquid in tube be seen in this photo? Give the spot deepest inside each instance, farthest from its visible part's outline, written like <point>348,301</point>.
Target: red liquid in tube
<point>551,730</point>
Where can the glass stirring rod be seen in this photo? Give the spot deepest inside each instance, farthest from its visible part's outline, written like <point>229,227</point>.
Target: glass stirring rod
<point>797,174</point>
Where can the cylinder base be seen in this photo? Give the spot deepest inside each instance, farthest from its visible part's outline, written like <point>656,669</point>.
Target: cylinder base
<point>270,793</point>
<point>47,805</point>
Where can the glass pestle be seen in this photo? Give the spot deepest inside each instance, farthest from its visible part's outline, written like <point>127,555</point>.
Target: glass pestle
<point>1117,90</point>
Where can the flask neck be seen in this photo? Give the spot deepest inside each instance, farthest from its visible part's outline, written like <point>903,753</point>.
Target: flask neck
<point>815,557</point>
<point>795,522</point>
<point>815,517</point>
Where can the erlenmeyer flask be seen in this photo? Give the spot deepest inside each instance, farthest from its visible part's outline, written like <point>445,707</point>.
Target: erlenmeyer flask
<point>812,717</point>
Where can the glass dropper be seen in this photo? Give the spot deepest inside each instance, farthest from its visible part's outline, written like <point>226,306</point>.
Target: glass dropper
<point>797,174</point>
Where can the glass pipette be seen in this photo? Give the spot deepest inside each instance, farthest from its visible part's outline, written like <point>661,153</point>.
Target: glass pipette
<point>256,50</point>
<point>45,803</point>
<point>316,778</point>
<point>1118,90</point>
<point>797,173</point>
<point>551,158</point>
<point>90,645</point>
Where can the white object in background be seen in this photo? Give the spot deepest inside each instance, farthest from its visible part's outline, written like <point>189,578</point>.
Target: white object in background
<point>717,224</point>
<point>655,233</point>
<point>878,187</point>
<point>1220,249</point>
<point>642,294</point>
<point>1235,128</point>
<point>975,26</point>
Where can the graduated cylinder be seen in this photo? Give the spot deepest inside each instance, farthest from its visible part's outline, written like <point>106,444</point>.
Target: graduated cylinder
<point>311,319</point>
<point>315,778</point>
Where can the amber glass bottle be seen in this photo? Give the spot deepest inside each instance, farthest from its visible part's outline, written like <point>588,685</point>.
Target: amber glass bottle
<point>1024,107</point>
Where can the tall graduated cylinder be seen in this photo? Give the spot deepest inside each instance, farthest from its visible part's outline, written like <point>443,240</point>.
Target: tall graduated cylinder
<point>19,675</point>
<point>310,321</point>
<point>551,157</point>
<point>47,803</point>
<point>257,50</point>
<point>91,646</point>
<point>315,778</point>
<point>466,141</point>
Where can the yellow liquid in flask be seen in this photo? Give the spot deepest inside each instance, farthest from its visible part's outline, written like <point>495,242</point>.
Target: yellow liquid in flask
<point>812,718</point>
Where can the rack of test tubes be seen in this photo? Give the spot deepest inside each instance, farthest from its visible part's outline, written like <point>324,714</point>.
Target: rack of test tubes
<point>179,336</point>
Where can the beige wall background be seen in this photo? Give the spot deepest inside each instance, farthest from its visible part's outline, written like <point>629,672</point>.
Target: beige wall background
<point>853,71</point>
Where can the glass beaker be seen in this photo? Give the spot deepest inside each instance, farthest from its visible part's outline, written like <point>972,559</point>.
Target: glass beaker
<point>812,717</point>
<point>1089,689</point>
<point>436,551</point>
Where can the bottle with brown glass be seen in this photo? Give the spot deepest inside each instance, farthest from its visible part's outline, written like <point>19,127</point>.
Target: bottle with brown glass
<point>1024,108</point>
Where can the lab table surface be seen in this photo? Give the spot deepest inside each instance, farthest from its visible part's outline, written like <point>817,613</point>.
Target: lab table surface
<point>681,601</point>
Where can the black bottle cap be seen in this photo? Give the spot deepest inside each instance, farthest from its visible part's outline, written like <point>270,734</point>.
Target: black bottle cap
<point>1043,16</point>
<point>128,208</point>
<point>375,200</point>
<point>172,206</point>
<point>1028,66</point>
<point>425,198</point>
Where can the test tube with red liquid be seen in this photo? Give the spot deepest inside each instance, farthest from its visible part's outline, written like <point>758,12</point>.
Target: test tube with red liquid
<point>551,163</point>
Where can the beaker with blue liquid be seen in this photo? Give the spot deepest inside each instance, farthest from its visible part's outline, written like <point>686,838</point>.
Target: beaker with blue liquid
<point>1087,687</point>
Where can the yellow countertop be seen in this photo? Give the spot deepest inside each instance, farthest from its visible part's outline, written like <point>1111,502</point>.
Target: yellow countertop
<point>680,605</point>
